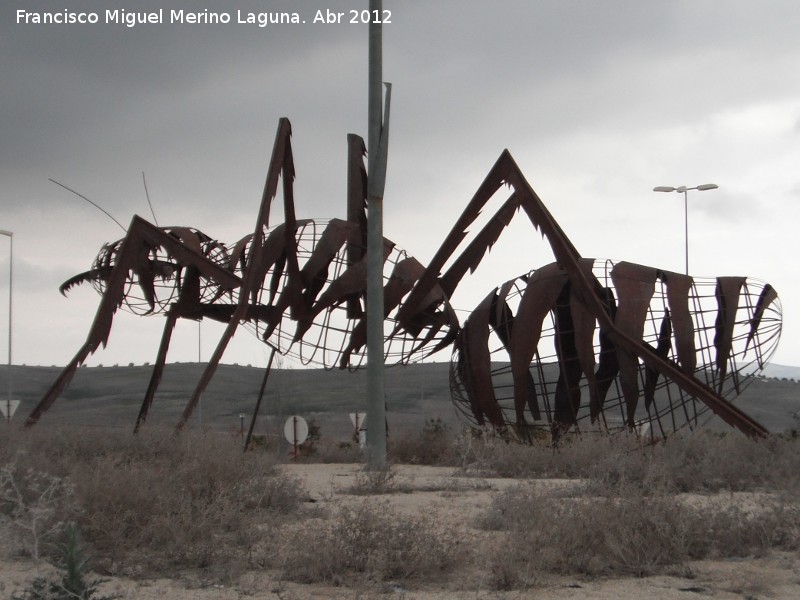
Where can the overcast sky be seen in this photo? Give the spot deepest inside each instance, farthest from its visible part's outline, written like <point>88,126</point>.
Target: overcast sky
<point>597,101</point>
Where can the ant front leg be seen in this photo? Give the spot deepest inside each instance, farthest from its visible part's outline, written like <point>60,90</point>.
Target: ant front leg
<point>130,253</point>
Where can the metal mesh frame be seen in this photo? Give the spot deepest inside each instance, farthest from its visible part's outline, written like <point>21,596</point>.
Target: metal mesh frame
<point>671,408</point>
<point>162,273</point>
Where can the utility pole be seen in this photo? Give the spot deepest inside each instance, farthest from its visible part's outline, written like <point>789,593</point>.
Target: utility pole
<point>376,180</point>
<point>200,366</point>
<point>10,236</point>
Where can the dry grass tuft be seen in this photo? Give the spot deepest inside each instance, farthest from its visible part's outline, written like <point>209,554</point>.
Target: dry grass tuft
<point>369,543</point>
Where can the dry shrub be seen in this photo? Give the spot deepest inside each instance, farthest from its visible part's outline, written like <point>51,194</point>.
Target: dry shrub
<point>703,462</point>
<point>368,542</point>
<point>574,456</point>
<point>33,506</point>
<point>154,502</point>
<point>631,534</point>
<point>374,482</point>
<point>738,531</point>
<point>694,461</point>
<point>198,505</point>
<point>333,452</point>
<point>625,531</point>
<point>434,445</point>
<point>711,462</point>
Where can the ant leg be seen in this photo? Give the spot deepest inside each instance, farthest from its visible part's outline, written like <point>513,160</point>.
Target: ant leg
<point>158,369</point>
<point>59,385</point>
<point>129,255</point>
<point>258,402</point>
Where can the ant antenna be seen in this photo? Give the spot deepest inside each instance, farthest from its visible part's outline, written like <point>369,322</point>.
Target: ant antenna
<point>146,193</point>
<point>97,206</point>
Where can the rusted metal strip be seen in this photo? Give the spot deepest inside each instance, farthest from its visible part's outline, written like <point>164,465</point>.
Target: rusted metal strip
<point>482,244</point>
<point>100,274</point>
<point>679,287</point>
<point>273,256</point>
<point>568,393</point>
<point>404,275</point>
<point>154,237</point>
<point>607,361</point>
<point>635,285</point>
<point>543,288</point>
<point>356,198</point>
<point>238,257</point>
<point>465,376</point>
<point>438,320</point>
<point>503,317</point>
<point>585,324</point>
<point>663,347</point>
<point>191,238</point>
<point>314,274</point>
<point>476,344</point>
<point>277,167</point>
<point>457,234</point>
<point>352,281</point>
<point>728,289</point>
<point>765,299</point>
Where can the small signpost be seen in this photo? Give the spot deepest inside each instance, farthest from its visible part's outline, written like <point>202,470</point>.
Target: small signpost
<point>8,408</point>
<point>359,420</point>
<point>296,431</point>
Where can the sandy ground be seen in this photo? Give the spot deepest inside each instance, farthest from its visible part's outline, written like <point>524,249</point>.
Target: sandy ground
<point>455,501</point>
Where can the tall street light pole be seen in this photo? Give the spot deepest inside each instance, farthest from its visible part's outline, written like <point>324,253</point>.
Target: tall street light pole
<point>685,191</point>
<point>10,236</point>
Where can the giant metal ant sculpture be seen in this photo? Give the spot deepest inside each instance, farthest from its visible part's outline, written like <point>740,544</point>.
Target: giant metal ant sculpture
<point>301,288</point>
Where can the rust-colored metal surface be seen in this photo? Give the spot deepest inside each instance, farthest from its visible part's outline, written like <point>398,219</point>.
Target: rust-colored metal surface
<point>299,286</point>
<point>575,345</point>
<point>682,374</point>
<point>624,392</point>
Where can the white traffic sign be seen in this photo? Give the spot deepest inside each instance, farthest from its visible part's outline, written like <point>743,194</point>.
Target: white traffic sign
<point>295,430</point>
<point>359,420</point>
<point>8,408</point>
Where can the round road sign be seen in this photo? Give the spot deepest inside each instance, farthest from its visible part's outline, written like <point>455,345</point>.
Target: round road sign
<point>295,430</point>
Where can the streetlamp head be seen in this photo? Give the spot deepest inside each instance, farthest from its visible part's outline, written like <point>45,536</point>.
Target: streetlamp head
<point>683,188</point>
<point>6,232</point>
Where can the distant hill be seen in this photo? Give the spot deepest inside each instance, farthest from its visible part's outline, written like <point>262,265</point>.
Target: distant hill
<point>111,396</point>
<point>781,372</point>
